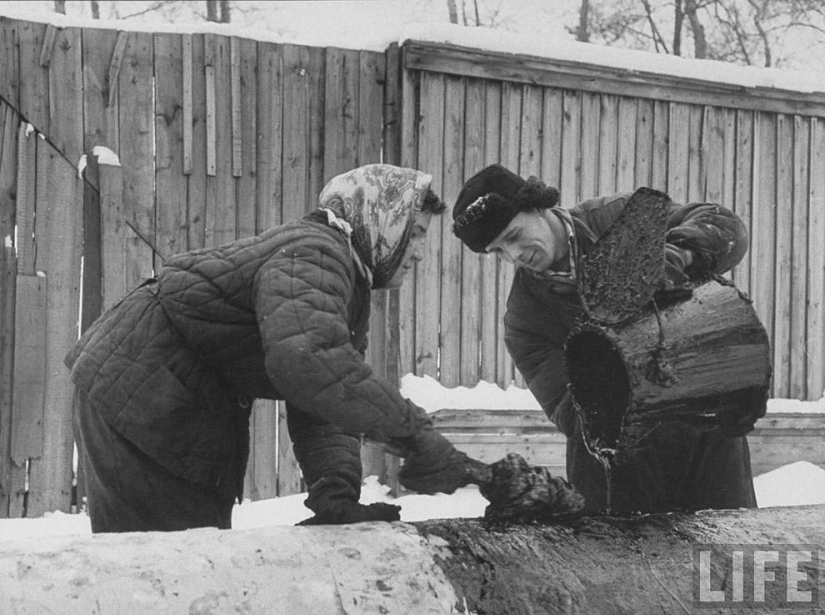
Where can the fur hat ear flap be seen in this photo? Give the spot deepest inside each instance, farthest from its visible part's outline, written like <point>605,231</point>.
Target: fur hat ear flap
<point>535,194</point>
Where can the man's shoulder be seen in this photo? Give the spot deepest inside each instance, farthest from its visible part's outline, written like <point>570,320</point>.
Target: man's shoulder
<point>598,213</point>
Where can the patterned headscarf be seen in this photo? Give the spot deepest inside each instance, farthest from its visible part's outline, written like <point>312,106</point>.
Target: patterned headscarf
<point>375,207</point>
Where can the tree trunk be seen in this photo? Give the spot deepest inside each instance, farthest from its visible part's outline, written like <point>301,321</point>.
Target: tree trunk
<point>212,10</point>
<point>583,31</point>
<point>452,9</point>
<point>639,565</point>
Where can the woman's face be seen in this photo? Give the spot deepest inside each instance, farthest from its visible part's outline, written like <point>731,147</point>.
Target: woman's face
<point>415,248</point>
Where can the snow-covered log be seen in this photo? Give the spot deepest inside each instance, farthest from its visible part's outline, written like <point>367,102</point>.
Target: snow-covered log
<point>599,565</point>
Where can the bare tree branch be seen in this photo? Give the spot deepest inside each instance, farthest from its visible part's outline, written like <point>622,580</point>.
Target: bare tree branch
<point>658,39</point>
<point>699,41</point>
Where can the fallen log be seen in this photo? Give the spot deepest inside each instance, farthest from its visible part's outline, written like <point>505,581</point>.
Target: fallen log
<point>649,564</point>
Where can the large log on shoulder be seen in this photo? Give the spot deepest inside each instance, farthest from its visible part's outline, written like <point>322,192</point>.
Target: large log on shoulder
<point>648,564</point>
<point>706,359</point>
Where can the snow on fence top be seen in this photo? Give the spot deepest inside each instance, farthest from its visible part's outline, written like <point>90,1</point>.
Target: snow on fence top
<point>377,37</point>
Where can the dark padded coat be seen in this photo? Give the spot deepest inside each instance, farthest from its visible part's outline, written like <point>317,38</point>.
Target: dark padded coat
<point>282,315</point>
<point>683,468</point>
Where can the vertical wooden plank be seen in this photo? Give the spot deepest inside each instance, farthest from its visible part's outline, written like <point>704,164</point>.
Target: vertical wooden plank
<point>743,191</point>
<point>246,182</point>
<point>729,161</point>
<point>679,152</point>
<point>196,178</point>
<point>570,143</point>
<point>694,170</point>
<point>296,154</point>
<point>220,187</point>
<point>316,89</point>
<point>591,117</point>
<point>270,106</point>
<point>261,481</point>
<point>370,107</point>
<point>712,155</point>
<point>235,104</point>
<point>799,259</point>
<point>428,271</point>
<point>491,264</point>
<point>392,153</point>
<point>471,306</point>
<point>450,278</point>
<point>783,292</point>
<point>815,348</point>
<point>342,109</point>
<point>113,235</point>
<point>529,160</point>
<point>625,170</point>
<point>608,143</point>
<point>34,88</point>
<point>289,474</point>
<point>137,119</point>
<point>170,182</point>
<point>661,146</point>
<point>98,47</point>
<point>763,223</point>
<point>370,124</point>
<point>25,196</point>
<point>531,123</point>
<point>643,165</point>
<point>51,475</point>
<point>370,128</point>
<point>9,62</point>
<point>11,477</point>
<point>187,93</point>
<point>551,131</point>
<point>512,105</point>
<point>409,158</point>
<point>29,375</point>
<point>66,94</point>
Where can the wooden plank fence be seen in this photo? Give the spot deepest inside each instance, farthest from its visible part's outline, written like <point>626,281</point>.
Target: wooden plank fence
<point>220,137</point>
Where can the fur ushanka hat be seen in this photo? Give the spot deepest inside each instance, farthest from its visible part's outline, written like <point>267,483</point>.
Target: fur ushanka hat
<point>490,200</point>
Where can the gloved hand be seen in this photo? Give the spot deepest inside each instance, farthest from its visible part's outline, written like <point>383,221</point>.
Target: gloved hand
<point>432,464</point>
<point>676,283</point>
<point>347,511</point>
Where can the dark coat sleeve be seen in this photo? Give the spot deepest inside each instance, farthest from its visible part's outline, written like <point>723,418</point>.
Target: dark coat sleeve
<point>301,297</point>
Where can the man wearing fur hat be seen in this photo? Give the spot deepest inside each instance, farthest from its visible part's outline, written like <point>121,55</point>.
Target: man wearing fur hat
<point>683,468</point>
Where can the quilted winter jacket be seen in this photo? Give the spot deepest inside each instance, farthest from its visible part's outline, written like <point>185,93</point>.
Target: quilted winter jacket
<point>282,315</point>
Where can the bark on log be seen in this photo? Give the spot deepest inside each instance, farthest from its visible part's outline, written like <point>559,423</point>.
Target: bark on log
<point>706,359</point>
<point>588,566</point>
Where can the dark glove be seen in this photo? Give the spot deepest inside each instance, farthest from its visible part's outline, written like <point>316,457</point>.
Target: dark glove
<point>432,464</point>
<point>347,511</point>
<point>676,284</point>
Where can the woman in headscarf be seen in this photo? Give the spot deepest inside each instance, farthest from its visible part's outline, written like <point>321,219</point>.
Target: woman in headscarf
<point>165,379</point>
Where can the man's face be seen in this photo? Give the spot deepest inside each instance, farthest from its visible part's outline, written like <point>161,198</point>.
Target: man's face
<point>534,239</point>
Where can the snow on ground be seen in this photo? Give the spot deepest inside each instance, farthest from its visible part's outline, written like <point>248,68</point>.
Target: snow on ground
<point>795,484</point>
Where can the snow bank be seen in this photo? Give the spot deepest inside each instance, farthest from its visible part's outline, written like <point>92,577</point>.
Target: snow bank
<point>795,484</point>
